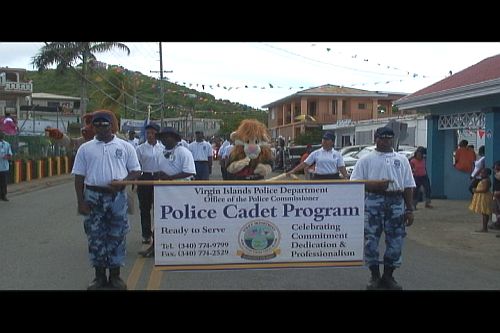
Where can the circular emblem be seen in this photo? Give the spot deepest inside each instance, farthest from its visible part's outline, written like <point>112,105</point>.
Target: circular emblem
<point>259,240</point>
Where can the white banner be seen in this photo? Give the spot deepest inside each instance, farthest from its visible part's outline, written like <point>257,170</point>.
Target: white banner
<point>218,225</point>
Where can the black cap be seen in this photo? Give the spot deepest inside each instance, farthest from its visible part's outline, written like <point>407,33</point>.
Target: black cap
<point>329,136</point>
<point>166,131</point>
<point>101,115</point>
<point>153,126</point>
<point>384,132</point>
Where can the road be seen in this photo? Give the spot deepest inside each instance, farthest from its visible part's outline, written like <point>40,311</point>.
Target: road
<point>44,248</point>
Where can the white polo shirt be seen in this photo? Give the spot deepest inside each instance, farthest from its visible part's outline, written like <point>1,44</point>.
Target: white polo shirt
<point>381,166</point>
<point>201,150</point>
<point>179,160</point>
<point>101,163</point>
<point>146,153</point>
<point>327,161</point>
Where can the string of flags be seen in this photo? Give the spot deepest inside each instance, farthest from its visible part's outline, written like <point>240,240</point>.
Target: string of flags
<point>269,85</point>
<point>368,60</point>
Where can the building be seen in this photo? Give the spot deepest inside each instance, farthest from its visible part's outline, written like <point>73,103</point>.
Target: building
<point>48,110</point>
<point>463,105</point>
<point>186,126</point>
<point>326,105</point>
<point>363,131</point>
<point>15,90</point>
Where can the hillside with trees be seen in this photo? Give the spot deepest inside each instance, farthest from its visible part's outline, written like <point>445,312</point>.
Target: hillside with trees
<point>129,94</point>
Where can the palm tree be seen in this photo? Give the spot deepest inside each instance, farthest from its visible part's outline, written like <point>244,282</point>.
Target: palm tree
<point>118,85</point>
<point>65,55</point>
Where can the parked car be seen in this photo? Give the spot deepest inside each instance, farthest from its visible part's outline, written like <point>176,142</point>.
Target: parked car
<point>350,161</point>
<point>294,153</point>
<point>349,150</point>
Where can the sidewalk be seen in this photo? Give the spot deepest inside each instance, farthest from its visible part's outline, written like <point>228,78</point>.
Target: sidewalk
<point>449,226</point>
<point>36,184</point>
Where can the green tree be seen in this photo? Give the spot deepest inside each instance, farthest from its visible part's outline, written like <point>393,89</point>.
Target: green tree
<point>118,91</point>
<point>312,136</point>
<point>67,55</point>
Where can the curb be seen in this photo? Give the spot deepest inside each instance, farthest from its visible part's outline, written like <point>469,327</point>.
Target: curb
<point>28,186</point>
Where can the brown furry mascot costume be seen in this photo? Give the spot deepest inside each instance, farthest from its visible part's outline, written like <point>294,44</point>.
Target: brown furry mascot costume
<point>87,131</point>
<point>251,157</point>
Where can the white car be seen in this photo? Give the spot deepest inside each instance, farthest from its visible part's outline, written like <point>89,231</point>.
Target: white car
<point>350,161</point>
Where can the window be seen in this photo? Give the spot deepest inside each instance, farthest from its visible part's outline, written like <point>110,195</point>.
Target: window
<point>361,106</point>
<point>334,106</point>
<point>311,108</point>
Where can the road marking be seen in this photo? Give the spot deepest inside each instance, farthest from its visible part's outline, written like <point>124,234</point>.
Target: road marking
<point>155,279</point>
<point>135,273</point>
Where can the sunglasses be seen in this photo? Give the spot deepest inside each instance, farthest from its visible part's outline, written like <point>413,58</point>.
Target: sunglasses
<point>101,123</point>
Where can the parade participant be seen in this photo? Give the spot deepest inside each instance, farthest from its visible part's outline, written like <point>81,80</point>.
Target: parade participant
<point>132,139</point>
<point>146,153</point>
<point>388,206</point>
<point>224,152</point>
<point>175,162</point>
<point>202,153</point>
<point>328,162</point>
<point>5,156</point>
<point>251,157</point>
<point>98,162</point>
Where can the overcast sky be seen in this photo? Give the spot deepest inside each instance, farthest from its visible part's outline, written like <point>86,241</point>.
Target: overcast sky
<point>287,67</point>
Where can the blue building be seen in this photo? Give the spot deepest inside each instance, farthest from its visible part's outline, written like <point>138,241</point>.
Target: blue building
<point>467,102</point>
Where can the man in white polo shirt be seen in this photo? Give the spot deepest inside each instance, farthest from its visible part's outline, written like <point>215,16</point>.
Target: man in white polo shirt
<point>146,153</point>
<point>388,206</point>
<point>98,162</point>
<point>202,154</point>
<point>175,162</point>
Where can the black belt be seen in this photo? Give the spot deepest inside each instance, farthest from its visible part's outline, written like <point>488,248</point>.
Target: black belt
<point>100,189</point>
<point>148,173</point>
<point>387,193</point>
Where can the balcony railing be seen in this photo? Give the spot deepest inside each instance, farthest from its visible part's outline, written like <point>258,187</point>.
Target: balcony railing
<point>17,87</point>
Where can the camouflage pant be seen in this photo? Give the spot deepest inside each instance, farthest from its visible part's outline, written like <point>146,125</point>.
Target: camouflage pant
<point>384,213</point>
<point>106,228</point>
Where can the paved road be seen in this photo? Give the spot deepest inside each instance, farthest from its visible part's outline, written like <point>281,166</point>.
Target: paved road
<point>44,248</point>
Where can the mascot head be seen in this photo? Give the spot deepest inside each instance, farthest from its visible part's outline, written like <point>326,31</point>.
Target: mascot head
<point>88,131</point>
<point>252,138</point>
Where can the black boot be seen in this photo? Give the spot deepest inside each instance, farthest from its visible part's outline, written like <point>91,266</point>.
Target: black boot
<point>115,281</point>
<point>100,279</point>
<point>388,281</point>
<point>374,283</point>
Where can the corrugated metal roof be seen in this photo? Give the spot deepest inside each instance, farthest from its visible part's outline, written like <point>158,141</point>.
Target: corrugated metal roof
<point>53,96</point>
<point>485,70</point>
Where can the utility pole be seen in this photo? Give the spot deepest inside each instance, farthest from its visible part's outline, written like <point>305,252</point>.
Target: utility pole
<point>162,93</point>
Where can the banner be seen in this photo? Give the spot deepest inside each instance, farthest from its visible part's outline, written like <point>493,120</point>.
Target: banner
<point>228,225</point>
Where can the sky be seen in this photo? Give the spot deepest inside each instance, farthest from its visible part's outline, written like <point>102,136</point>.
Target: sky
<point>275,70</point>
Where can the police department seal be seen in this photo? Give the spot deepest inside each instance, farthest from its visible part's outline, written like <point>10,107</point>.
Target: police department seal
<point>259,240</point>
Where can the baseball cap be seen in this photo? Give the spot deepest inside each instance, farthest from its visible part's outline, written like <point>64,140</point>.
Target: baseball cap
<point>153,126</point>
<point>102,116</point>
<point>384,132</point>
<point>170,131</point>
<point>329,136</point>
